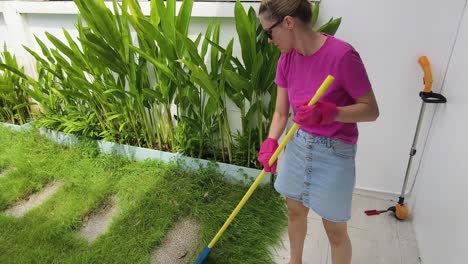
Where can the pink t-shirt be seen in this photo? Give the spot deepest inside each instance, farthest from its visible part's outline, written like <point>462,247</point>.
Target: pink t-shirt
<point>302,75</point>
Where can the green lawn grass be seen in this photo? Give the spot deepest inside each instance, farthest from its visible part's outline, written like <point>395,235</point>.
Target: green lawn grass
<point>152,196</point>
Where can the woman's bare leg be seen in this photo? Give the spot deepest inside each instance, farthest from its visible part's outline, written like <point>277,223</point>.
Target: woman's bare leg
<point>297,229</point>
<point>340,244</point>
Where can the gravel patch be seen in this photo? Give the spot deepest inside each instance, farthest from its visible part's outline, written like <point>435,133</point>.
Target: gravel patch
<point>97,222</point>
<point>179,245</point>
<point>34,200</point>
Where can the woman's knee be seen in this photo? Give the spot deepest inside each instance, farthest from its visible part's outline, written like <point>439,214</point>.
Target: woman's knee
<point>296,210</point>
<point>337,233</point>
<point>337,238</point>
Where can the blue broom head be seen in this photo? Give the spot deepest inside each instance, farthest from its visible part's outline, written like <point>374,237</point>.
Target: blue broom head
<point>203,255</point>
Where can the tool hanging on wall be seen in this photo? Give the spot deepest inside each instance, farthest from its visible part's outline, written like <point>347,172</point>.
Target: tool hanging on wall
<point>400,210</point>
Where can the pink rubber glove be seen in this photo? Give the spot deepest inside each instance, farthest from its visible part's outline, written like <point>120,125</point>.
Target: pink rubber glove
<point>266,151</point>
<point>321,113</point>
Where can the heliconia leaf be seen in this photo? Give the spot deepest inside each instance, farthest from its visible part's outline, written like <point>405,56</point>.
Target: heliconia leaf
<point>97,17</point>
<point>202,78</point>
<point>208,33</point>
<point>154,14</point>
<point>257,67</point>
<point>214,52</point>
<point>315,12</point>
<point>331,26</point>
<point>105,53</point>
<point>37,57</point>
<point>111,117</point>
<point>211,107</point>
<point>236,81</point>
<point>44,49</point>
<point>167,18</point>
<point>75,48</point>
<point>166,45</point>
<point>135,9</point>
<point>228,54</point>
<point>161,66</point>
<point>75,58</point>
<point>184,16</point>
<point>243,26</point>
<point>197,41</point>
<point>125,32</point>
<point>22,105</point>
<point>192,49</point>
<point>17,72</point>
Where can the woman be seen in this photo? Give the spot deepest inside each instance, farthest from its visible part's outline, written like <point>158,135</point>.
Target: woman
<point>318,170</point>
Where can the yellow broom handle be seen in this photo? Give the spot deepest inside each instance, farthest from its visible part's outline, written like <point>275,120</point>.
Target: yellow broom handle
<point>321,90</point>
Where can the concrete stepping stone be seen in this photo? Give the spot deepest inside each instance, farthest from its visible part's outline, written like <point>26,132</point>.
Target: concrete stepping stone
<point>98,222</point>
<point>7,171</point>
<point>34,200</point>
<point>179,245</point>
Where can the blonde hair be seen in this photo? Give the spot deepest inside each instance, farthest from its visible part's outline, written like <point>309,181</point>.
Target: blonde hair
<point>278,9</point>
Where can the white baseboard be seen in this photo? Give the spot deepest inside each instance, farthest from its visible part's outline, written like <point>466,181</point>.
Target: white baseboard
<point>379,194</point>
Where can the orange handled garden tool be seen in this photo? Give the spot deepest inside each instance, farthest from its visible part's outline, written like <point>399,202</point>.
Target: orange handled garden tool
<point>400,209</point>
<point>321,90</point>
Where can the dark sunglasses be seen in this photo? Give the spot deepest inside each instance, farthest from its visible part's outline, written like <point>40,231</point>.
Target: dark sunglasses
<point>268,31</point>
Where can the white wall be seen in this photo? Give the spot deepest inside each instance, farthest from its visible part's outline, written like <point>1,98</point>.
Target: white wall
<point>390,36</point>
<point>3,30</point>
<point>440,207</point>
<point>3,33</point>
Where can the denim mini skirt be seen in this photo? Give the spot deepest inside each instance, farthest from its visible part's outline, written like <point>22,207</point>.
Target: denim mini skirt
<point>319,172</point>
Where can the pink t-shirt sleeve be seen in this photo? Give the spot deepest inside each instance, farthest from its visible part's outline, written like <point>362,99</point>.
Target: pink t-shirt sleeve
<point>280,78</point>
<point>353,75</point>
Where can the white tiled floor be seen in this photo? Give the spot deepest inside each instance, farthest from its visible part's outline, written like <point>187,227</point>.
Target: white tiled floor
<point>380,239</point>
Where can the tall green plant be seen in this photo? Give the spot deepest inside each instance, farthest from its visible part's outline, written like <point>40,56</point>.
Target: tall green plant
<point>212,81</point>
<point>160,39</point>
<point>14,100</point>
<point>100,82</point>
<point>196,89</point>
<point>40,89</point>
